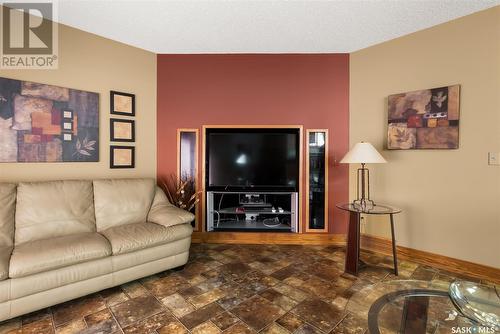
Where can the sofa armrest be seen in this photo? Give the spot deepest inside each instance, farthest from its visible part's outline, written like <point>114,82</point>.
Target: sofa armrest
<point>164,213</point>
<point>169,215</point>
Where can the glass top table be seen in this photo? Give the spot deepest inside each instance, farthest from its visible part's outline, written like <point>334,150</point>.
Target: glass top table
<point>377,209</point>
<point>419,307</point>
<point>352,261</point>
<point>480,303</point>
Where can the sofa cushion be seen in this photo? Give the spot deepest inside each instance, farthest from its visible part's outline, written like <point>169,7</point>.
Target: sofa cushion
<point>47,280</point>
<point>7,211</point>
<point>164,213</point>
<point>43,255</point>
<point>53,209</point>
<point>133,237</point>
<point>124,201</point>
<point>5,252</point>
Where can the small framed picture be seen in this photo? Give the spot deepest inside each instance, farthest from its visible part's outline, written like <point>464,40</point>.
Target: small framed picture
<point>67,113</point>
<point>122,130</point>
<point>122,103</point>
<point>67,137</point>
<point>122,156</point>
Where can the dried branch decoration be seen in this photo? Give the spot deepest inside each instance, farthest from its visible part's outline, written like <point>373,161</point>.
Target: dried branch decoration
<point>181,192</point>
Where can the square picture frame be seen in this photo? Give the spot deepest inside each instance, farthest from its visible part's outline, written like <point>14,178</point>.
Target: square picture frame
<point>122,130</point>
<point>121,156</point>
<point>122,103</point>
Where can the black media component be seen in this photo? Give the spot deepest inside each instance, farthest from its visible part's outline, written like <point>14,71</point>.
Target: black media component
<point>252,159</point>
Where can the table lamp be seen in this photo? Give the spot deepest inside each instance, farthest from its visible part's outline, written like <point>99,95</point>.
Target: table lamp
<point>363,153</point>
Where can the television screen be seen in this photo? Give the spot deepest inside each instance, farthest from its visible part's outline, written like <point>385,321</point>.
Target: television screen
<point>252,158</point>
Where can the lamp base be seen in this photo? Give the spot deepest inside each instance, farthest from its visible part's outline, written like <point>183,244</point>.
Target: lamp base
<point>363,204</point>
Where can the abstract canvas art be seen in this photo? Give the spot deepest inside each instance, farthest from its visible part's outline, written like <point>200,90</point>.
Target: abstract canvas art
<point>424,119</point>
<point>44,123</point>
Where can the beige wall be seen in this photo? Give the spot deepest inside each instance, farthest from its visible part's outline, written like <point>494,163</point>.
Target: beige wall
<point>450,198</point>
<point>96,64</point>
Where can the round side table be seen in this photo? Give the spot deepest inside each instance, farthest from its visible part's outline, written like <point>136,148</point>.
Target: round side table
<point>352,262</point>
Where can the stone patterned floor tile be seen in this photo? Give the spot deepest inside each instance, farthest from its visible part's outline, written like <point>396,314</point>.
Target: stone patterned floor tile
<point>196,279</point>
<point>423,274</point>
<point>308,329</point>
<point>37,315</point>
<point>236,297</point>
<point>289,291</point>
<point>114,296</point>
<point>350,325</point>
<point>239,328</point>
<point>77,308</point>
<point>177,305</point>
<point>201,315</point>
<point>284,273</point>
<point>134,289</point>
<point>319,313</point>
<point>241,289</point>
<point>206,328</point>
<point>274,328</point>
<point>101,322</point>
<point>224,320</point>
<point>320,288</point>
<point>340,302</point>
<point>235,269</point>
<point>166,286</point>
<point>174,327</point>
<point>257,312</point>
<point>72,327</point>
<point>136,309</point>
<point>207,298</point>
<point>10,326</point>
<point>44,326</point>
<point>150,325</point>
<point>290,321</point>
<point>284,302</point>
<point>191,292</point>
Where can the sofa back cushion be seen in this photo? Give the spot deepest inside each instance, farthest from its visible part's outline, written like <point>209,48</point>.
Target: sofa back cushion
<point>7,211</point>
<point>122,201</point>
<point>53,209</point>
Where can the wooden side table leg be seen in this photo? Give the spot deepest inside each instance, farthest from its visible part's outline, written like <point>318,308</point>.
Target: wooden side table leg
<point>394,252</point>
<point>352,249</point>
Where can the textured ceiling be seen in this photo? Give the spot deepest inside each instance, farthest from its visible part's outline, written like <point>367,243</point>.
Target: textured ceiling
<point>260,26</point>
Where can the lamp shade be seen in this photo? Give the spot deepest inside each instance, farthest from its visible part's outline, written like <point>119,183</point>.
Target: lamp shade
<point>363,153</point>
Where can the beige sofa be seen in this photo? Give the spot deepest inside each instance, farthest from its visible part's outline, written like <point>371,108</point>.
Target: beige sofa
<point>64,239</point>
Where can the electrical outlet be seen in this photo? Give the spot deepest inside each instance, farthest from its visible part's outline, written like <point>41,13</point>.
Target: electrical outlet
<point>493,158</point>
<point>362,226</point>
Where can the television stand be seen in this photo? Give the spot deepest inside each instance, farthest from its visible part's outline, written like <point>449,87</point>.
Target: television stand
<point>252,211</point>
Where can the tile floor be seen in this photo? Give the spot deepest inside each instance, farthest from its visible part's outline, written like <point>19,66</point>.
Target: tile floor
<point>232,289</point>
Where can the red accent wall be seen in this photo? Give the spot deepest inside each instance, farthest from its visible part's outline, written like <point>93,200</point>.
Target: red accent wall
<point>310,90</point>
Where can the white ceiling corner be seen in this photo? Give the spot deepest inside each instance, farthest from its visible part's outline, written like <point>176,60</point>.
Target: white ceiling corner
<point>217,26</point>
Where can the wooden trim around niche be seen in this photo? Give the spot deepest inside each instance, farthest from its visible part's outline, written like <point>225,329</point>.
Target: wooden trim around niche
<point>269,238</point>
<point>239,126</point>
<point>307,229</point>
<point>196,169</point>
<point>383,246</point>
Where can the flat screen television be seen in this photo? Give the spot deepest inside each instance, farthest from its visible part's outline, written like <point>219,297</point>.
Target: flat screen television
<point>252,159</point>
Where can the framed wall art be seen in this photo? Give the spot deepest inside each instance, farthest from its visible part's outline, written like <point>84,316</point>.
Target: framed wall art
<point>122,156</point>
<point>122,103</point>
<point>424,119</point>
<point>122,130</point>
<point>45,123</point>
